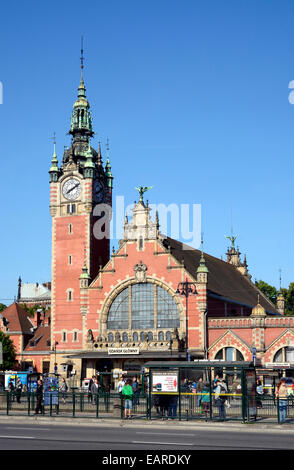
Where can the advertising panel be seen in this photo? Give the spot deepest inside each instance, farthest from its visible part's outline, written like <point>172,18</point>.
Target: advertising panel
<point>165,381</point>
<point>11,375</point>
<point>51,386</point>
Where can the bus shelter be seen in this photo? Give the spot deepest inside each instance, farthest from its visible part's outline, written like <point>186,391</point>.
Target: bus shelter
<point>210,390</point>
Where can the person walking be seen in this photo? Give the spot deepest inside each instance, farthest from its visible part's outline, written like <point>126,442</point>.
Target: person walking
<point>127,394</point>
<point>63,389</point>
<point>39,395</point>
<point>282,396</point>
<point>220,398</point>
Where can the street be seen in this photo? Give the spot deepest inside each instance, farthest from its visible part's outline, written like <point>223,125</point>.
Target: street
<point>35,436</point>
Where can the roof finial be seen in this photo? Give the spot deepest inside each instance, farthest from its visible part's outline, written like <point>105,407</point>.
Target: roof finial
<point>82,57</point>
<point>280,279</point>
<point>202,244</point>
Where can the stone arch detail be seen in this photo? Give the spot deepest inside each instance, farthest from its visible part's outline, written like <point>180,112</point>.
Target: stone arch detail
<point>131,281</point>
<point>229,339</point>
<point>286,339</point>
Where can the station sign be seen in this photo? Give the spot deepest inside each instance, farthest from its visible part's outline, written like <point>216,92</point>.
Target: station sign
<point>122,351</point>
<point>278,365</point>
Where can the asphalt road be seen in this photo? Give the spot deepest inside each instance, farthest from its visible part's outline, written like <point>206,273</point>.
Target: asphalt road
<point>34,436</point>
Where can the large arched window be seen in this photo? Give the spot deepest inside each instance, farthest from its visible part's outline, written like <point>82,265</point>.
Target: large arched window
<point>143,306</point>
<point>229,355</point>
<point>285,354</point>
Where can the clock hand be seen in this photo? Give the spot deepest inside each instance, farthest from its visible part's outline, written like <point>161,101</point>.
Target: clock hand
<point>73,188</point>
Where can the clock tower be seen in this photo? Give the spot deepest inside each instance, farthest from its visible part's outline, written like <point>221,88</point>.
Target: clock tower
<point>80,196</point>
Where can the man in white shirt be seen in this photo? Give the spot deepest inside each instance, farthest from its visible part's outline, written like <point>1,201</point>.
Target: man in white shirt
<point>120,385</point>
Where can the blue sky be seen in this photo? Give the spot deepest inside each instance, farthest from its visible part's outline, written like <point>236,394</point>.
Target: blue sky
<point>193,96</point>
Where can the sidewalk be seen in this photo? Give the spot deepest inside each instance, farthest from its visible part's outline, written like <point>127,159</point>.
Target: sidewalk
<point>191,425</point>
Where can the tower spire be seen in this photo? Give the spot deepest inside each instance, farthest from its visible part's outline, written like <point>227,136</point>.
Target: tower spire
<point>82,58</point>
<point>54,170</point>
<point>81,118</point>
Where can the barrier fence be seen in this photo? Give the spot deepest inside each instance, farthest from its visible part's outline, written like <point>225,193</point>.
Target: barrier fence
<point>203,390</point>
<point>163,406</point>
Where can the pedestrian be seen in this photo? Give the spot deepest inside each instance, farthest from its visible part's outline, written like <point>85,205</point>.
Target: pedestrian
<point>164,405</point>
<point>282,396</point>
<point>220,398</point>
<point>18,389</point>
<point>91,381</point>
<point>39,395</point>
<point>135,387</point>
<point>120,385</point>
<point>172,406</point>
<point>127,394</point>
<point>63,389</point>
<point>205,400</point>
<point>156,403</point>
<point>95,390</point>
<point>199,390</point>
<point>259,391</point>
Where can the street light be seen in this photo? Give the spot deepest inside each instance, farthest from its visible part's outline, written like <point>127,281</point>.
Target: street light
<point>185,289</point>
<point>55,363</point>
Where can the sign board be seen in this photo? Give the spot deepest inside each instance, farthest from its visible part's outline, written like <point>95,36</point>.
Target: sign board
<point>51,386</point>
<point>165,381</point>
<point>123,351</point>
<point>13,376</point>
<point>278,365</point>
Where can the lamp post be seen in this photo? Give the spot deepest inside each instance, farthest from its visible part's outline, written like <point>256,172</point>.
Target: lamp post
<point>185,289</point>
<point>55,363</point>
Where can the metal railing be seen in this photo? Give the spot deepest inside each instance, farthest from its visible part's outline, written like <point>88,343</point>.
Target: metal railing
<point>183,406</point>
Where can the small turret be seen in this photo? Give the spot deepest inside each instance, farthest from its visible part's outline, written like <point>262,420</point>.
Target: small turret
<point>54,170</point>
<point>202,270</point>
<point>109,177</point>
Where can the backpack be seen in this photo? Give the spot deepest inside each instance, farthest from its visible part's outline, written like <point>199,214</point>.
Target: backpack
<point>127,392</point>
<point>222,390</point>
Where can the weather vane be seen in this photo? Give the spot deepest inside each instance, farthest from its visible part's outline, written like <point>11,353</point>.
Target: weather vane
<point>142,190</point>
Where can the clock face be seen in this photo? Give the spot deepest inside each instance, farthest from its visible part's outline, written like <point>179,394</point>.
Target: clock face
<point>98,191</point>
<point>71,189</point>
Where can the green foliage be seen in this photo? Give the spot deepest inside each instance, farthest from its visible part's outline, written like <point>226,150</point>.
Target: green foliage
<point>2,307</point>
<point>271,292</point>
<point>289,299</point>
<point>30,310</point>
<point>8,352</point>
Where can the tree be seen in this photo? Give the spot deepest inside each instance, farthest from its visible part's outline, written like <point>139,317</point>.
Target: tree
<point>289,299</point>
<point>2,307</point>
<point>8,352</point>
<point>31,310</point>
<point>270,291</point>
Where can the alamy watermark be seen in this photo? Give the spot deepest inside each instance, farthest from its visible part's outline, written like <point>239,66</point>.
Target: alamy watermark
<point>178,221</point>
